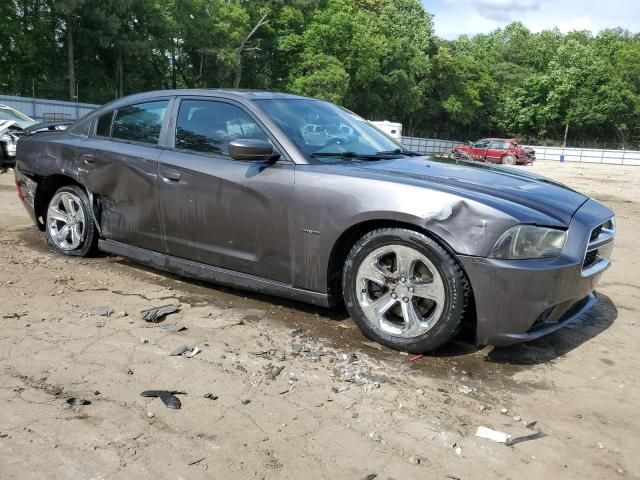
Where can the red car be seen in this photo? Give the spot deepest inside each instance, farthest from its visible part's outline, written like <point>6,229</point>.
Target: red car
<point>495,150</point>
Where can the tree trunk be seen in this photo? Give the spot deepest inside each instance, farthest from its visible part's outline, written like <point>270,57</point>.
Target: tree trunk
<point>566,132</point>
<point>71,60</point>
<point>243,44</point>
<point>119,75</point>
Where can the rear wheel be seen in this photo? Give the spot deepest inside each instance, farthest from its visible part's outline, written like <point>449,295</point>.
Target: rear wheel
<point>69,224</point>
<point>509,160</point>
<point>404,290</point>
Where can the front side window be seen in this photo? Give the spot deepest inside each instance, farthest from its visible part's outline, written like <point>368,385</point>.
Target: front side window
<point>207,126</point>
<point>481,144</point>
<point>140,123</point>
<point>321,128</point>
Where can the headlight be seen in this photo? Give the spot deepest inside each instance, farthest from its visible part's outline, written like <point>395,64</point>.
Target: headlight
<point>528,241</point>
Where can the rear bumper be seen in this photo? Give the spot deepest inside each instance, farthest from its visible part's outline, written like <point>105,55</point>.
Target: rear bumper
<point>27,193</point>
<point>523,300</point>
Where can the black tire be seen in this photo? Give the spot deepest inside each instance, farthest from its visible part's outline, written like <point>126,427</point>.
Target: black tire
<point>89,238</point>
<point>456,287</point>
<point>509,160</point>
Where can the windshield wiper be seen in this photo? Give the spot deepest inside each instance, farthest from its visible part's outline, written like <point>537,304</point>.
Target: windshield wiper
<point>364,156</point>
<point>401,151</point>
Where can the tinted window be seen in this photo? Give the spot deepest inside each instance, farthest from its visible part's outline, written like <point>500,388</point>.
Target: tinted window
<point>481,144</point>
<point>140,123</point>
<point>103,128</point>
<point>208,126</point>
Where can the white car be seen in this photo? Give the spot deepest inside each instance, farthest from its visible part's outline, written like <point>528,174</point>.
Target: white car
<point>12,124</point>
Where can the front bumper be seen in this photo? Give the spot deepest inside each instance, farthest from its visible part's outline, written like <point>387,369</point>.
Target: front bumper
<point>521,300</point>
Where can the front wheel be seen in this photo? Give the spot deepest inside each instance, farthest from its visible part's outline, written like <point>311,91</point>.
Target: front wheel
<point>69,224</point>
<point>404,290</point>
<point>509,160</point>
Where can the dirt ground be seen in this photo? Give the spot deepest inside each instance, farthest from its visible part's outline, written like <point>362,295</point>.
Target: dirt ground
<point>397,418</point>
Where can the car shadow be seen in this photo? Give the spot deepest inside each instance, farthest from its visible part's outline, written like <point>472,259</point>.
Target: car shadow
<point>562,341</point>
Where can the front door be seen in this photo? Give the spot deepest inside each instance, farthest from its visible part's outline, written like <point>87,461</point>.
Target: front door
<point>479,150</point>
<point>220,211</point>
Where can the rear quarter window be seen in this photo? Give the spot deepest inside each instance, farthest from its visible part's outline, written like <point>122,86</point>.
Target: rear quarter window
<point>103,128</point>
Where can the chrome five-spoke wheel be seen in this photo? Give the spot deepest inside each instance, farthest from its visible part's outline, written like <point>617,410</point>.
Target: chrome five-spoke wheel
<point>401,291</point>
<point>66,221</point>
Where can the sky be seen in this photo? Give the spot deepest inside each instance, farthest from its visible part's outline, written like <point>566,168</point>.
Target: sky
<point>456,17</point>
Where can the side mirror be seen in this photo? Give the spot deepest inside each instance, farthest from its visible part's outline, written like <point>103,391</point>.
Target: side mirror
<point>249,149</point>
<point>470,142</point>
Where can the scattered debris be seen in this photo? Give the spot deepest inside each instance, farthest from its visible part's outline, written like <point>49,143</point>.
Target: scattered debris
<point>157,314</point>
<point>465,389</point>
<point>173,327</point>
<point>271,354</point>
<point>121,314</point>
<point>271,371</point>
<point>77,401</point>
<point>458,451</point>
<point>168,397</point>
<point>371,476</point>
<point>496,436</point>
<point>195,462</point>
<point>14,315</point>
<point>150,414</point>
<point>193,352</point>
<point>210,396</point>
<point>246,401</point>
<point>179,351</point>
<point>104,311</point>
<point>419,391</point>
<point>524,438</point>
<point>531,425</point>
<point>143,341</point>
<point>517,418</point>
<point>416,357</point>
<point>339,388</point>
<point>504,411</point>
<point>414,460</point>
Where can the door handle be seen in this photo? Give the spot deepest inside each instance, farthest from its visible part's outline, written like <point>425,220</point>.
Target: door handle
<point>88,158</point>
<point>171,175</point>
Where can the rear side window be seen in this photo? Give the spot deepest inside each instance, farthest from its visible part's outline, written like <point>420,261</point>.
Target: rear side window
<point>208,126</point>
<point>103,129</point>
<point>140,123</point>
<point>498,145</point>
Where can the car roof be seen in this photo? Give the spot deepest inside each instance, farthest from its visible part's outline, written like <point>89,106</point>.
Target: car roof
<point>501,139</point>
<point>231,93</point>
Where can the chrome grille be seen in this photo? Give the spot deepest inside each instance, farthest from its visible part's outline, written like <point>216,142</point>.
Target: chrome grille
<point>596,256</point>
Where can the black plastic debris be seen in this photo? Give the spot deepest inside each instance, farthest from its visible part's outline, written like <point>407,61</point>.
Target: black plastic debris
<point>371,476</point>
<point>210,396</point>
<point>104,311</point>
<point>168,397</point>
<point>157,314</point>
<point>525,438</point>
<point>173,327</point>
<point>271,371</point>
<point>246,402</point>
<point>77,401</point>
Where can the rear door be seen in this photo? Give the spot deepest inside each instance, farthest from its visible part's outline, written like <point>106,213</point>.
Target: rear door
<point>497,148</point>
<point>479,150</point>
<point>122,172</point>
<point>217,210</point>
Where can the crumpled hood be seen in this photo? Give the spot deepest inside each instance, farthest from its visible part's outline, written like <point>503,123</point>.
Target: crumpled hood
<point>513,184</point>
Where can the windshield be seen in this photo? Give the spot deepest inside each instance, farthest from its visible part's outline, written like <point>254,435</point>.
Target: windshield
<point>320,129</point>
<point>8,113</point>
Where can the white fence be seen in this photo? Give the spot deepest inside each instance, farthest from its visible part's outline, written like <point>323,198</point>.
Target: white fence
<point>433,146</point>
<point>47,110</point>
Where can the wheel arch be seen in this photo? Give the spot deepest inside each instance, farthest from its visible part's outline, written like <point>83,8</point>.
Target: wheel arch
<point>45,191</point>
<point>350,236</point>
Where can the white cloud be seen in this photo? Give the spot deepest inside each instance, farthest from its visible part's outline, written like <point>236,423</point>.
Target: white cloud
<point>456,17</point>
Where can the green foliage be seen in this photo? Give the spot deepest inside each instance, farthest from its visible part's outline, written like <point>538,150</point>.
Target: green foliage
<point>376,57</point>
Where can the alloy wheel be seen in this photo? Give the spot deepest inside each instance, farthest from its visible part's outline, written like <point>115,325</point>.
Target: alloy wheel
<point>66,221</point>
<point>401,292</point>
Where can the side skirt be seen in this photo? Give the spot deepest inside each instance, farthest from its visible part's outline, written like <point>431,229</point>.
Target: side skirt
<point>208,273</point>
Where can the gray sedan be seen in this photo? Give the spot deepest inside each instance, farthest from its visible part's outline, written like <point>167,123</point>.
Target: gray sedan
<point>297,197</point>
